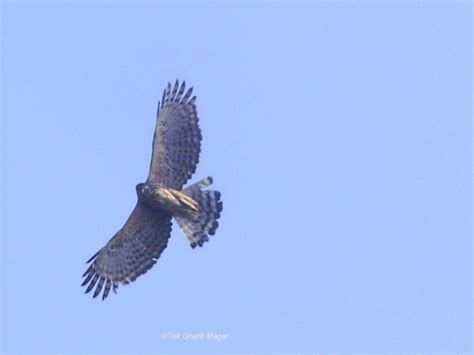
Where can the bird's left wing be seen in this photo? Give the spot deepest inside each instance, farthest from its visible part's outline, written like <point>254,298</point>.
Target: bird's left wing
<point>131,252</point>
<point>177,138</point>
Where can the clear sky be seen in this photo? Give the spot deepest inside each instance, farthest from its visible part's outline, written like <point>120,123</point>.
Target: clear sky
<point>338,133</point>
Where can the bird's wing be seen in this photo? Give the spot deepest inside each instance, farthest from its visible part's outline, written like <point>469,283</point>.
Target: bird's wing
<point>177,138</point>
<point>131,252</point>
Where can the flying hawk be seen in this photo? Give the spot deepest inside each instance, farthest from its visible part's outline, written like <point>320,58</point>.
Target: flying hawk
<point>135,248</point>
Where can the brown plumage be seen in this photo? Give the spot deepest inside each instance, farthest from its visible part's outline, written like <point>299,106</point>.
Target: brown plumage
<point>177,139</point>
<point>135,248</point>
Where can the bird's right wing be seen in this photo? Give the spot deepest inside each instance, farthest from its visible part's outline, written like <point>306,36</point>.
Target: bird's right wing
<point>131,252</point>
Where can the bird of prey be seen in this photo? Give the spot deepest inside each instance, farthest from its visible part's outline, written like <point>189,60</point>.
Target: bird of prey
<point>136,247</point>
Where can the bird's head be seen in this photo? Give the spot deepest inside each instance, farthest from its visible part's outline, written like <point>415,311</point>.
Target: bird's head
<point>143,190</point>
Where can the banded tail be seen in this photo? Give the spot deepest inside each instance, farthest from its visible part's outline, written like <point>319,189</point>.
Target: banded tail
<point>198,226</point>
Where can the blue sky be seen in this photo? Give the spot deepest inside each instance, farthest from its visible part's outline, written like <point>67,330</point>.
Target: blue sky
<point>338,133</point>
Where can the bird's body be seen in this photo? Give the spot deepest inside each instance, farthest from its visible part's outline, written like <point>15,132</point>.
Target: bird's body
<point>160,197</point>
<point>135,248</point>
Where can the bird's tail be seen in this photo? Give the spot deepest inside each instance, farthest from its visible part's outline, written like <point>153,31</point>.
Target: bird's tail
<point>198,226</point>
